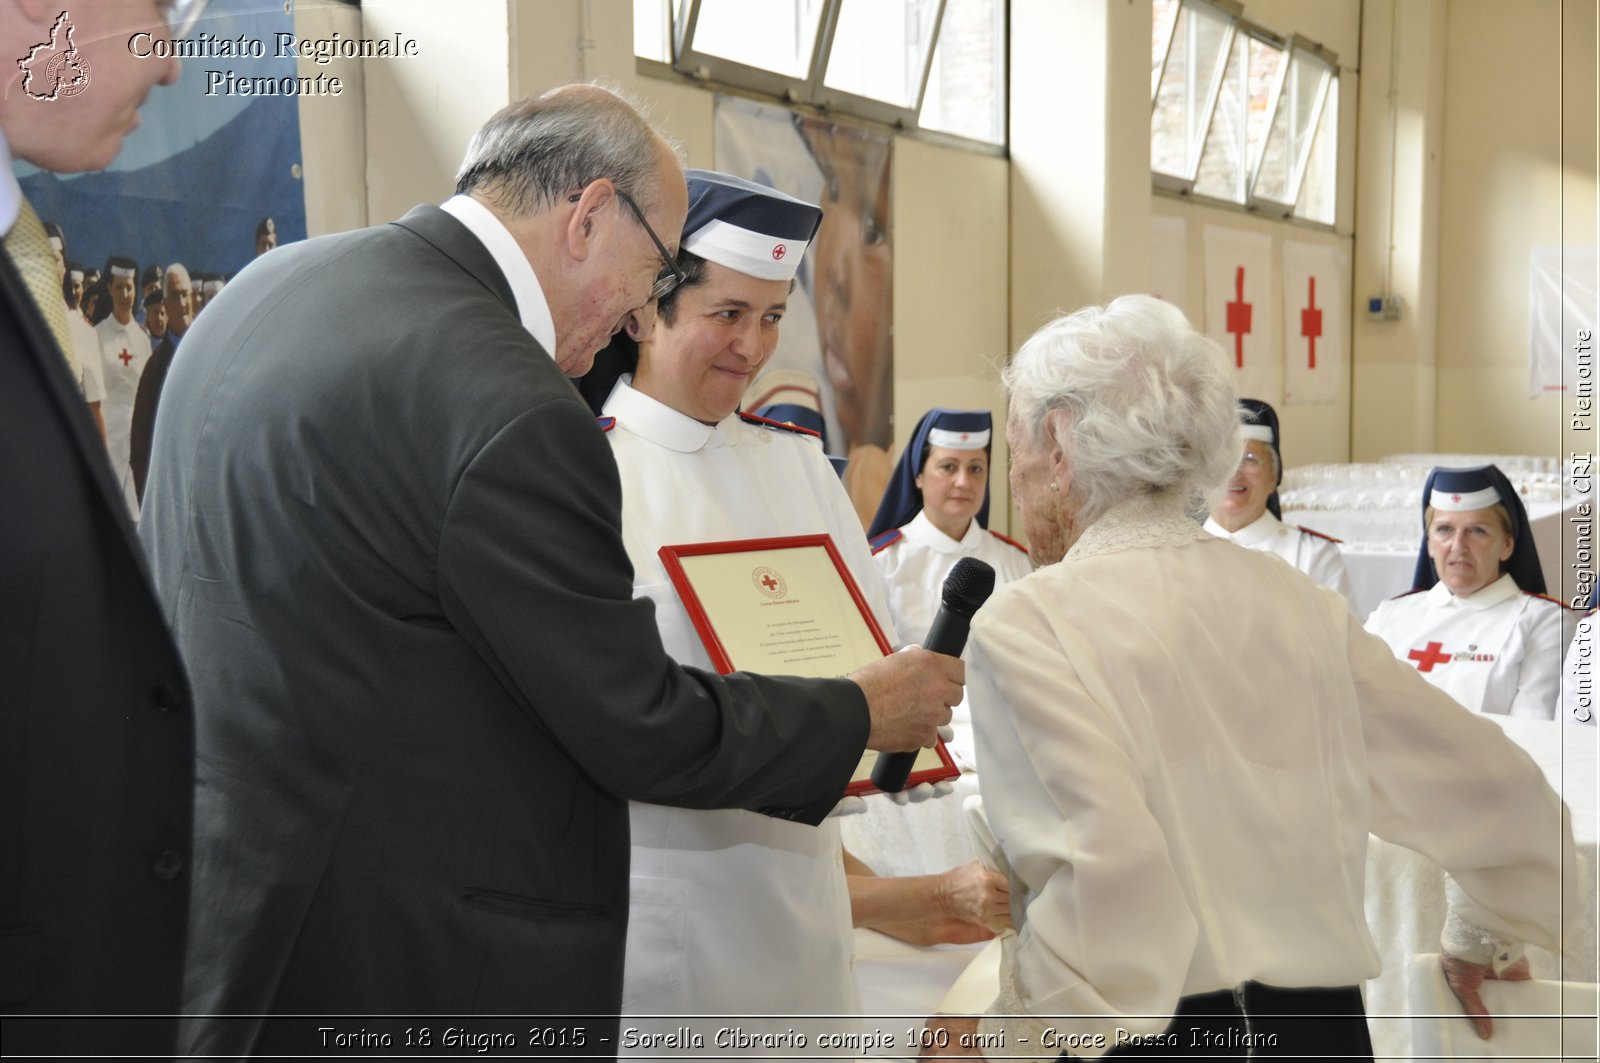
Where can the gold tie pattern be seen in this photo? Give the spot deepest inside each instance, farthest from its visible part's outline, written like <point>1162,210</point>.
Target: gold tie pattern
<point>30,251</point>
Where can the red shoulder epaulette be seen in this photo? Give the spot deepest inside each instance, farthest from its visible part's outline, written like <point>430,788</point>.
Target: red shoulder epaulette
<point>1557,601</point>
<point>767,422</point>
<point>1319,535</point>
<point>1006,539</point>
<point>885,539</point>
<point>606,423</point>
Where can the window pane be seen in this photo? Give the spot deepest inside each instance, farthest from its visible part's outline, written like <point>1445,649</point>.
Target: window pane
<point>776,35</point>
<point>1239,127</point>
<point>1319,192</point>
<point>1177,123</point>
<point>879,48</point>
<point>1265,60</point>
<point>650,26</point>
<point>1222,162</point>
<point>1164,13</point>
<point>1292,128</point>
<point>966,87</point>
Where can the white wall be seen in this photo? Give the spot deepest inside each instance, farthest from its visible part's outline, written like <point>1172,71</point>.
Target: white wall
<point>333,129</point>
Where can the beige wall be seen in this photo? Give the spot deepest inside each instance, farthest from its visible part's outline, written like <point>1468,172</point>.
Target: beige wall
<point>333,129</point>
<point>1509,172</point>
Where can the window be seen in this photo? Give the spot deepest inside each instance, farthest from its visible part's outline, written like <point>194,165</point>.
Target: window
<point>1241,115</point>
<point>937,65</point>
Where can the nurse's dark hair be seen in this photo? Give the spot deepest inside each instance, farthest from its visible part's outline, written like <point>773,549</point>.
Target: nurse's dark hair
<point>694,275</point>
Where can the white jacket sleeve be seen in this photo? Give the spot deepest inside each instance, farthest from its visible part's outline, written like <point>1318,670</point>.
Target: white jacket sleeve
<point>1449,784</point>
<point>1545,642</point>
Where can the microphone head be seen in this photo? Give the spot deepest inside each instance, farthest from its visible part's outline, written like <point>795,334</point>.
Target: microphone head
<point>968,586</point>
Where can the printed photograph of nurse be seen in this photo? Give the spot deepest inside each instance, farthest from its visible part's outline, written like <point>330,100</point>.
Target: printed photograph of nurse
<point>836,353</point>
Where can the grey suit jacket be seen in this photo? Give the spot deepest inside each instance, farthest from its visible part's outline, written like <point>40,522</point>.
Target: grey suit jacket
<point>385,530</point>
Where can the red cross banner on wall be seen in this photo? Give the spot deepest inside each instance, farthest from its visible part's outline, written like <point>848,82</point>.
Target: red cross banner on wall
<point>1239,309</point>
<point>1315,312</point>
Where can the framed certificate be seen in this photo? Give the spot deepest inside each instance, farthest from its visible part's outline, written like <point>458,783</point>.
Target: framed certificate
<point>786,606</point>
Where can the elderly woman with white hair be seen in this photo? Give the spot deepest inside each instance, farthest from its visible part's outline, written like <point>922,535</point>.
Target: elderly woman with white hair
<point>1186,844</point>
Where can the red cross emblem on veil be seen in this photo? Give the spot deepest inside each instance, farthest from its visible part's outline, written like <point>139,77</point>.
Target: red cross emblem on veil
<point>1455,498</point>
<point>778,251</point>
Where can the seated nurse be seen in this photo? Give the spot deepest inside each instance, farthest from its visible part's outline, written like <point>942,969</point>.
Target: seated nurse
<point>1477,623</point>
<point>1248,513</point>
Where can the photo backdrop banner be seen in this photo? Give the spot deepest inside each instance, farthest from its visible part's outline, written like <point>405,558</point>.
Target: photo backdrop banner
<point>836,347</point>
<point>205,166</point>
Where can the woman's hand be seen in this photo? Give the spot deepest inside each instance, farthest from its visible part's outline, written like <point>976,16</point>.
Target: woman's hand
<point>1466,980</point>
<point>974,894</point>
<point>960,1035</point>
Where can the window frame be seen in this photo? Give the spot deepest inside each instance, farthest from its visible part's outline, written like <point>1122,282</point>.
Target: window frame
<point>1231,12</point>
<point>810,94</point>
<point>1183,186</point>
<point>1297,45</point>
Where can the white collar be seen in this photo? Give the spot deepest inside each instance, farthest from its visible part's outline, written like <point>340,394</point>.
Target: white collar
<point>920,527</point>
<point>1503,589</point>
<point>655,421</point>
<point>10,190</point>
<point>491,232</point>
<point>1260,530</point>
<point>1140,522</point>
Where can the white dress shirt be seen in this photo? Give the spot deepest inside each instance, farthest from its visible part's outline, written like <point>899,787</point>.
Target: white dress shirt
<point>1174,823</point>
<point>732,912</point>
<point>1495,650</point>
<point>1316,555</point>
<point>532,307</point>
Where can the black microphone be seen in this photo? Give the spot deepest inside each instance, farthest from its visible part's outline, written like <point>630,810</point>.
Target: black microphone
<point>966,589</point>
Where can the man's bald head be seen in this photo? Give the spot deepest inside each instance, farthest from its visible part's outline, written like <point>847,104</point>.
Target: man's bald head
<point>178,297</point>
<point>537,150</point>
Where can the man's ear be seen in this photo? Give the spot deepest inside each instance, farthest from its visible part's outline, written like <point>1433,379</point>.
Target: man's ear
<point>584,220</point>
<point>642,323</point>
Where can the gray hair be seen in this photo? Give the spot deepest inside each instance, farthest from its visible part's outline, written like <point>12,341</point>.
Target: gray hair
<point>537,150</point>
<point>1136,398</point>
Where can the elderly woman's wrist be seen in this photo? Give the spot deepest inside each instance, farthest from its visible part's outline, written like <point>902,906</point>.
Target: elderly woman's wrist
<point>1467,941</point>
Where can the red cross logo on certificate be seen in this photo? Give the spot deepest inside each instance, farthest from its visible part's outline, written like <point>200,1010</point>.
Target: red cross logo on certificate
<point>1429,656</point>
<point>1311,322</point>
<point>1238,318</point>
<point>125,356</point>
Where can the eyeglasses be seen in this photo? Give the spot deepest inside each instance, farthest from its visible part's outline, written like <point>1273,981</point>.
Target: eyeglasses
<point>670,276</point>
<point>182,15</point>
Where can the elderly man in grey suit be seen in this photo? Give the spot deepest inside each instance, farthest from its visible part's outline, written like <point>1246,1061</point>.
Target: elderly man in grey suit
<point>389,546</point>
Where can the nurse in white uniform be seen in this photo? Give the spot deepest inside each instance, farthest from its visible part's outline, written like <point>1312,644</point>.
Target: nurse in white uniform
<point>1478,624</point>
<point>732,912</point>
<point>1248,512</point>
<point>934,513</point>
